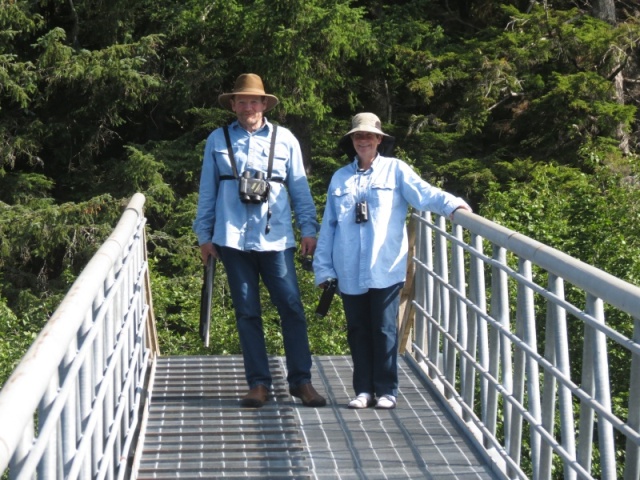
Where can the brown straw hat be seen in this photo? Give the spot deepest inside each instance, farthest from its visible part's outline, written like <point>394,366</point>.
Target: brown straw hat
<point>248,84</point>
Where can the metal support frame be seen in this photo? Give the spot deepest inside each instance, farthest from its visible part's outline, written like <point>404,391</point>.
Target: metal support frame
<point>70,409</point>
<point>506,370</point>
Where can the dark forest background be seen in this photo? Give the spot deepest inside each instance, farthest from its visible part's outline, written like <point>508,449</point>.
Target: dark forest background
<point>529,110</point>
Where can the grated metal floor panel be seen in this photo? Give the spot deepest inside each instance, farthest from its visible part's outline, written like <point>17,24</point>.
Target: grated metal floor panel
<point>197,430</point>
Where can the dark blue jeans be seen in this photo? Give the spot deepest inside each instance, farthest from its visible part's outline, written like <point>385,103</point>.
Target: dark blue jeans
<point>277,270</point>
<point>372,333</point>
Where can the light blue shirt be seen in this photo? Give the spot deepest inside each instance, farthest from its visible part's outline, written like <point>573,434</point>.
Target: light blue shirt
<point>373,254</point>
<point>223,219</point>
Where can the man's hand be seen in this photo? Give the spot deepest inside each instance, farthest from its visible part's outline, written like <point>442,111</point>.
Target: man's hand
<point>208,250</point>
<point>308,245</point>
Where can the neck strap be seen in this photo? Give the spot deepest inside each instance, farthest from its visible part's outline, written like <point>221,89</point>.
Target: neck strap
<point>272,150</point>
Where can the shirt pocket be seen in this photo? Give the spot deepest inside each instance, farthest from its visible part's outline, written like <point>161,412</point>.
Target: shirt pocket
<point>223,162</point>
<point>343,202</point>
<point>257,159</point>
<point>381,195</point>
<point>260,161</point>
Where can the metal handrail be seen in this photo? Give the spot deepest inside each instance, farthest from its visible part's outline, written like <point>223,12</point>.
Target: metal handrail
<point>70,408</point>
<point>500,355</point>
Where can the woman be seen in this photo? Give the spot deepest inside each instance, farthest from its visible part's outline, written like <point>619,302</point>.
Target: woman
<point>363,244</point>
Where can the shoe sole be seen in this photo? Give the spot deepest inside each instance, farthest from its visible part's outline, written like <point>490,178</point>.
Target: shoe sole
<point>312,404</point>
<point>251,403</point>
<point>361,406</point>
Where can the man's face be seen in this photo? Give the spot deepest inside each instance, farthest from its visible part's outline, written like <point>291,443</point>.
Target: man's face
<point>248,109</point>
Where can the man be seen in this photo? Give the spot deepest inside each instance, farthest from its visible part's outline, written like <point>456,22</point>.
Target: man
<point>244,219</point>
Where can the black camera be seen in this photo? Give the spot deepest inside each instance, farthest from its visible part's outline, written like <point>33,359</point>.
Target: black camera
<point>307,263</point>
<point>362,212</point>
<point>253,189</point>
<point>327,297</point>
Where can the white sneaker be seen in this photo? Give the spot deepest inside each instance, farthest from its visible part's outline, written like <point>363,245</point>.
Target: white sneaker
<point>386,402</point>
<point>363,400</point>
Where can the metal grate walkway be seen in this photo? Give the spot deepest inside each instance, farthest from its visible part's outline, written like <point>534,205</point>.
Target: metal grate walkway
<point>195,428</point>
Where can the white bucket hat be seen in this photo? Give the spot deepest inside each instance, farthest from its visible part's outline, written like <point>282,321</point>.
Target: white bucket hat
<point>366,122</point>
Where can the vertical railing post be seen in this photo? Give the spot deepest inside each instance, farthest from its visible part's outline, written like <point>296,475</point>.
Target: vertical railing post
<point>20,455</point>
<point>557,353</point>
<point>515,428</point>
<point>602,390</point>
<point>427,245</point>
<point>458,311</point>
<point>68,417</point>
<point>48,467</point>
<point>587,416</point>
<point>477,345</point>
<point>632,450</point>
<point>439,311</point>
<point>499,348</point>
<point>86,388</point>
<point>525,368</point>
<point>420,291</point>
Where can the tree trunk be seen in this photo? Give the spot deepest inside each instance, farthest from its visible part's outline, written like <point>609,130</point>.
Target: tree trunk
<point>605,10</point>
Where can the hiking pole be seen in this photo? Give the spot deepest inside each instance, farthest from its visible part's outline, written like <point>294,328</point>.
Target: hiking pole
<point>205,299</point>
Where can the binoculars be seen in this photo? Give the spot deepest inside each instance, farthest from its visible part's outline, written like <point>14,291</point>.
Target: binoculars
<point>362,212</point>
<point>253,189</point>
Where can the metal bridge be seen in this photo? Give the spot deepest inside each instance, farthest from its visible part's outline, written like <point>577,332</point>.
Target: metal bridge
<point>504,373</point>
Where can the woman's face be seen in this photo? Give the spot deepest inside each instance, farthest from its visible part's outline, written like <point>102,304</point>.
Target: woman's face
<point>366,144</point>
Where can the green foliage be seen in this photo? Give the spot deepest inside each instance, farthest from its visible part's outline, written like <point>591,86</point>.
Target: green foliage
<point>519,110</point>
<point>14,340</point>
<point>579,214</point>
<point>44,246</point>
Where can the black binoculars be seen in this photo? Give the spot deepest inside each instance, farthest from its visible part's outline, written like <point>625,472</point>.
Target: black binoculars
<point>362,212</point>
<point>253,189</point>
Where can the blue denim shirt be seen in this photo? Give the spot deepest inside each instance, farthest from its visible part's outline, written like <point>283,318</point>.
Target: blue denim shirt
<point>373,254</point>
<point>223,219</point>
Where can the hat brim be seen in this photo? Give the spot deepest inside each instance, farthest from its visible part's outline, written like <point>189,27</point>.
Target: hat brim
<point>368,129</point>
<point>224,99</point>
<point>385,148</point>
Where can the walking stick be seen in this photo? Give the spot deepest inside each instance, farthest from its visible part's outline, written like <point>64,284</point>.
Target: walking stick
<point>205,299</point>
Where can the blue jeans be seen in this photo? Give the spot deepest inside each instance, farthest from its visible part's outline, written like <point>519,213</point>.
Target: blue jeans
<point>278,273</point>
<point>372,333</point>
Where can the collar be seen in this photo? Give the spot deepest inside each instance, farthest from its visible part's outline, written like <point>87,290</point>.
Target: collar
<point>373,163</point>
<point>267,127</point>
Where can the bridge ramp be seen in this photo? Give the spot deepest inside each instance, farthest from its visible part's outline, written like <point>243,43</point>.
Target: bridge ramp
<point>196,429</point>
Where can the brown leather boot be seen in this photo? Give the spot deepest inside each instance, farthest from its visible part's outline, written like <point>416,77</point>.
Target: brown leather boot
<point>308,395</point>
<point>256,397</point>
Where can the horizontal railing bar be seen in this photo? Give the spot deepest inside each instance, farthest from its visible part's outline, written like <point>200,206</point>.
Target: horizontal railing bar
<point>618,293</point>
